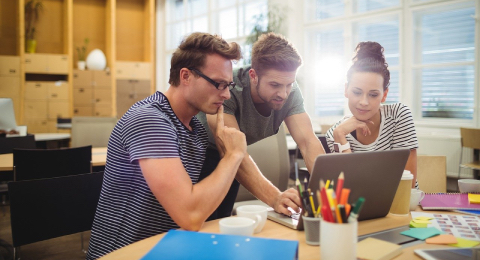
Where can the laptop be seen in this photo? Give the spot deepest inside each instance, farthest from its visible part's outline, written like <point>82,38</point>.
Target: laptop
<point>372,175</point>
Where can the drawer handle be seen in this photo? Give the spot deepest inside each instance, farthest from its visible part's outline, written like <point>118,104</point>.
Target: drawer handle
<point>38,85</point>
<point>98,100</point>
<point>54,95</point>
<point>12,71</point>
<point>27,61</point>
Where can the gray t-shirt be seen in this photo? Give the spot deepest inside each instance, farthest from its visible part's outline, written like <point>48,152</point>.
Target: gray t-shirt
<point>254,125</point>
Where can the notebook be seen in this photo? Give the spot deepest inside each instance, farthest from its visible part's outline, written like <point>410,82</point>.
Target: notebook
<point>450,201</point>
<point>372,175</point>
<point>179,244</point>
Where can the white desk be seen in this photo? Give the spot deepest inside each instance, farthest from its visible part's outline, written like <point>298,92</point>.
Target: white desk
<point>51,136</point>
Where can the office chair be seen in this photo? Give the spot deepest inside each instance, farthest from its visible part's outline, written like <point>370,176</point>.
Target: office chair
<point>49,208</point>
<point>271,157</point>
<point>7,144</point>
<point>470,138</point>
<point>50,163</point>
<point>94,131</point>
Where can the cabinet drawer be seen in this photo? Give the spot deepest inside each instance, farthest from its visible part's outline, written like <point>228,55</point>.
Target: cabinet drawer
<point>36,109</point>
<point>102,96</point>
<point>133,70</point>
<point>142,87</point>
<point>58,91</point>
<point>58,64</point>
<point>9,86</point>
<point>10,66</point>
<point>82,96</point>
<point>103,110</point>
<point>36,90</point>
<point>36,63</point>
<point>37,125</point>
<point>83,111</point>
<point>58,109</point>
<point>102,79</point>
<point>82,78</point>
<point>52,125</point>
<point>46,63</point>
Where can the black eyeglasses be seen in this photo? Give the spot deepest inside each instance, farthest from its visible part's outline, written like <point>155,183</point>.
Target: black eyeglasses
<point>219,86</point>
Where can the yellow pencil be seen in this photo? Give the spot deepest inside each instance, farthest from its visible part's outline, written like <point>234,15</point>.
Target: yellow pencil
<point>326,184</point>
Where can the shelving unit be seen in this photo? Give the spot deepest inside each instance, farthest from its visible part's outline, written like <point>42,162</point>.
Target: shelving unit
<point>10,69</point>
<point>122,29</point>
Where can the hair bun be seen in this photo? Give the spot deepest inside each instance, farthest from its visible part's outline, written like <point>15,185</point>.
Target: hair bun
<point>372,50</point>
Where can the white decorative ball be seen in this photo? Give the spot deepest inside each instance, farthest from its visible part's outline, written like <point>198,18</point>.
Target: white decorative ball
<point>96,60</point>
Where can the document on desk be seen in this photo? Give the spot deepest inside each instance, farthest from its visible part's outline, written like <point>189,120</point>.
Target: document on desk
<point>178,244</point>
<point>460,226</point>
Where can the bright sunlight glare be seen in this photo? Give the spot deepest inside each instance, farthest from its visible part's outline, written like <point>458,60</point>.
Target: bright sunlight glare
<point>330,71</point>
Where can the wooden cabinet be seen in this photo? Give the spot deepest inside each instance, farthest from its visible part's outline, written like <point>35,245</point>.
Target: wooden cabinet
<point>10,82</point>
<point>45,101</point>
<point>123,29</point>
<point>129,92</point>
<point>92,93</point>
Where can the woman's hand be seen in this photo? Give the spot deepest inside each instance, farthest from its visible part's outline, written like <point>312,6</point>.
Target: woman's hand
<point>350,125</point>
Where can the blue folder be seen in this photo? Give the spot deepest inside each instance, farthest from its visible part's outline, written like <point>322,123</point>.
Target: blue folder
<point>178,244</point>
<point>468,211</point>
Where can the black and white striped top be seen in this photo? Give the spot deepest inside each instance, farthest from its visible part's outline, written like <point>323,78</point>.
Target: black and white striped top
<point>396,131</point>
<point>128,211</point>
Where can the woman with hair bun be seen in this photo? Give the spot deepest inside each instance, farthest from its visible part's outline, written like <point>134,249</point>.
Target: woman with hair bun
<point>373,126</point>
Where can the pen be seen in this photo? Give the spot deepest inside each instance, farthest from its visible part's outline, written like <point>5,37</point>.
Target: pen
<point>338,191</point>
<point>297,181</point>
<point>356,210</point>
<point>305,183</point>
<point>343,214</point>
<point>310,197</point>
<point>308,208</point>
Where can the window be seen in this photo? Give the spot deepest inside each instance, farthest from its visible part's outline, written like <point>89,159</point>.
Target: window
<point>444,61</point>
<point>429,47</point>
<point>232,19</point>
<point>332,50</point>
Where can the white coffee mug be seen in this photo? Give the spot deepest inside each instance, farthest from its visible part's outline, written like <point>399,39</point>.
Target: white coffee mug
<point>237,226</point>
<point>257,213</point>
<point>415,198</point>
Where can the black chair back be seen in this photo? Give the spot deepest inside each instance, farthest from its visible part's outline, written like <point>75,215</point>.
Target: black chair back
<point>51,163</point>
<point>7,144</point>
<point>49,208</point>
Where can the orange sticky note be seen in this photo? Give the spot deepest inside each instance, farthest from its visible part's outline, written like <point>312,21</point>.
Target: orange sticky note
<point>442,240</point>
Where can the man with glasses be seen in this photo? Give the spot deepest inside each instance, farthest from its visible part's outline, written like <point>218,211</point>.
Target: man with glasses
<point>157,149</point>
<point>265,95</point>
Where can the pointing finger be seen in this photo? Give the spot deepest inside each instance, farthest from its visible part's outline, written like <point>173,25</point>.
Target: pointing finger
<point>220,123</point>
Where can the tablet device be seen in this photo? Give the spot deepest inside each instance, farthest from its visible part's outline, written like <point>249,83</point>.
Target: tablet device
<point>448,253</point>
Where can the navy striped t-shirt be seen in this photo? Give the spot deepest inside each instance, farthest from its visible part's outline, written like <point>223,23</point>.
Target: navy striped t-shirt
<point>128,211</point>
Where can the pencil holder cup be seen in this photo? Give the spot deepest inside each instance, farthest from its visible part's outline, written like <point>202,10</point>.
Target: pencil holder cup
<point>338,241</point>
<point>312,230</point>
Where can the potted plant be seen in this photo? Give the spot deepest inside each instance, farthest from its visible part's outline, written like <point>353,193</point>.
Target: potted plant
<point>32,12</point>
<point>81,54</point>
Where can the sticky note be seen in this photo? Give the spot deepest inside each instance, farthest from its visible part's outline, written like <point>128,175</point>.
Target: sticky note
<point>463,243</point>
<point>423,218</point>
<point>418,221</point>
<point>444,239</point>
<point>418,225</point>
<point>473,198</point>
<point>422,233</point>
